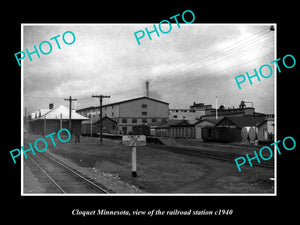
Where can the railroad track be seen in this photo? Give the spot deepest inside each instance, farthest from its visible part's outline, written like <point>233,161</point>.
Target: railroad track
<point>62,179</point>
<point>224,156</point>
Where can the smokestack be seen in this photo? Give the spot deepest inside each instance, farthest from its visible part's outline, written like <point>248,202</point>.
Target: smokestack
<point>147,89</point>
<point>51,106</point>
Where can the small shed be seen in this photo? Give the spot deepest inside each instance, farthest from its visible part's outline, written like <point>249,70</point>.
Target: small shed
<point>204,123</point>
<point>92,126</point>
<point>266,130</point>
<point>162,129</point>
<point>229,129</point>
<point>182,130</point>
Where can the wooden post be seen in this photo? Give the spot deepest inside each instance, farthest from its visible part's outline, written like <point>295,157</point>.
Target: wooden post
<point>100,99</point>
<point>60,122</point>
<point>45,128</point>
<point>133,162</point>
<point>91,128</point>
<point>70,111</point>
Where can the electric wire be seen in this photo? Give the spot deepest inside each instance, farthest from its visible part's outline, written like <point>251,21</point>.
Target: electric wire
<point>242,48</point>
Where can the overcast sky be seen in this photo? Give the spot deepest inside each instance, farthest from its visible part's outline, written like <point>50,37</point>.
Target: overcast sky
<point>193,63</point>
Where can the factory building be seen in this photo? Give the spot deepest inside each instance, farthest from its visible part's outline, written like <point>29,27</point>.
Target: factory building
<point>130,113</point>
<point>47,121</point>
<point>191,115</point>
<point>182,115</point>
<point>222,111</point>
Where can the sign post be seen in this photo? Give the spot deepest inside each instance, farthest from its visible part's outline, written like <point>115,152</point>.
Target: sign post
<point>133,162</point>
<point>134,141</point>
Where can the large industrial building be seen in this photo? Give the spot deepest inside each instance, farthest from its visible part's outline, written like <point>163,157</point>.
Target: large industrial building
<point>203,122</point>
<point>132,112</point>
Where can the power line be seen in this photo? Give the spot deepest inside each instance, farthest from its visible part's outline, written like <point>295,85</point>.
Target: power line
<point>180,74</point>
<point>209,74</point>
<point>241,48</point>
<point>27,96</point>
<point>216,56</point>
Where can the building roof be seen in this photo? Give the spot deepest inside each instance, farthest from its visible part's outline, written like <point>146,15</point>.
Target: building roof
<point>242,121</point>
<point>268,119</point>
<point>94,121</point>
<point>214,121</point>
<point>163,125</point>
<point>157,124</point>
<point>182,124</point>
<point>125,101</point>
<point>61,112</point>
<point>44,111</point>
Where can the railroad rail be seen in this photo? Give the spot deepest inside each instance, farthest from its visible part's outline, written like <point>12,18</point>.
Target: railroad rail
<point>223,156</point>
<point>218,155</point>
<point>63,179</point>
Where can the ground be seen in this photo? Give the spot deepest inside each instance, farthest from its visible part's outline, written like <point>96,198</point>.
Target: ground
<point>159,171</point>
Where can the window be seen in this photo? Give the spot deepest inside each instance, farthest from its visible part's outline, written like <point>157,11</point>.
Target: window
<point>144,113</point>
<point>124,120</point>
<point>124,130</point>
<point>154,120</point>
<point>144,120</point>
<point>144,106</point>
<point>174,116</point>
<point>134,120</point>
<point>112,113</point>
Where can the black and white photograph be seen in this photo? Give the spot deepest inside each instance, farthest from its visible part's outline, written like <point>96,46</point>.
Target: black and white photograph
<point>145,113</point>
<point>170,108</point>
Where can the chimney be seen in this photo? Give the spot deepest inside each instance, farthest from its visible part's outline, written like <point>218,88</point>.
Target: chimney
<point>51,106</point>
<point>147,89</point>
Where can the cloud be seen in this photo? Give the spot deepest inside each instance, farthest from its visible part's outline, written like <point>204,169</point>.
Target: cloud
<point>107,59</point>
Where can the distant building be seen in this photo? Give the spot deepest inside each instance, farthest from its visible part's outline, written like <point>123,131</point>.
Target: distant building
<point>52,120</point>
<point>191,115</point>
<point>161,130</point>
<point>266,131</point>
<point>182,115</point>
<point>200,109</point>
<point>229,129</point>
<point>222,111</point>
<point>109,126</point>
<point>202,124</point>
<point>132,112</point>
<point>182,130</point>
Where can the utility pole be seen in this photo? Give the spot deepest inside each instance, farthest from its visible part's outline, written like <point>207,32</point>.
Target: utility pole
<point>216,107</point>
<point>100,99</point>
<point>70,111</point>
